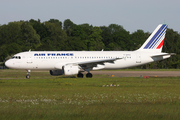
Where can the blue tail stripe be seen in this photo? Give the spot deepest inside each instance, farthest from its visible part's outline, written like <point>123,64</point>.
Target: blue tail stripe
<point>158,38</point>
<point>154,37</point>
<point>149,44</point>
<point>156,41</point>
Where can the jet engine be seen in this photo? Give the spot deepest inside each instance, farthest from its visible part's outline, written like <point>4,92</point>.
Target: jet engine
<point>66,70</point>
<point>56,72</point>
<point>70,69</point>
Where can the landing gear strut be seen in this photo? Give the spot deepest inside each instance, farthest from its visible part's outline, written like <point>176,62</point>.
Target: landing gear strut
<point>28,74</point>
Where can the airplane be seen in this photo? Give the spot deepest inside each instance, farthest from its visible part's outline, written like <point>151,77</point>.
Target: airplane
<point>76,62</point>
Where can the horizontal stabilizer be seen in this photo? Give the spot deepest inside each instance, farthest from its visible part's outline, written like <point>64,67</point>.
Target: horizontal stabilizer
<point>163,54</point>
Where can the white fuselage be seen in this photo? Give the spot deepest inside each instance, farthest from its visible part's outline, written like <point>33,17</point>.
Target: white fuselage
<point>53,60</point>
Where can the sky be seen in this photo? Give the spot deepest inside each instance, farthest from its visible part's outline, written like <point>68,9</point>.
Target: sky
<point>131,14</point>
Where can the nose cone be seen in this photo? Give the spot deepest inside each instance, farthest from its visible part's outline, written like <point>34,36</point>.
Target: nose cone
<point>8,63</point>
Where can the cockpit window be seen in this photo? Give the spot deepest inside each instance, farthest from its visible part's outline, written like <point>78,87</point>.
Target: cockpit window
<point>16,57</point>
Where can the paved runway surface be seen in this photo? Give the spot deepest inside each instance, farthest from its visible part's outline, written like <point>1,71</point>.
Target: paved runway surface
<point>139,73</point>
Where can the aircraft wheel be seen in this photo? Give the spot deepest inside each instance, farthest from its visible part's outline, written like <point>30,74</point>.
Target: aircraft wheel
<point>80,75</point>
<point>27,76</point>
<point>89,75</point>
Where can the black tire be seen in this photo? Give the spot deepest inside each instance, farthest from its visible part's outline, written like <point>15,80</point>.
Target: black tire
<point>89,75</point>
<point>28,76</point>
<point>80,75</point>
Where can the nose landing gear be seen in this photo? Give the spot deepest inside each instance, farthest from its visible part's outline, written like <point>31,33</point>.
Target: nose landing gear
<point>28,74</point>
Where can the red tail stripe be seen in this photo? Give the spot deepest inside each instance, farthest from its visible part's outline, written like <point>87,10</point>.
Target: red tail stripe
<point>160,45</point>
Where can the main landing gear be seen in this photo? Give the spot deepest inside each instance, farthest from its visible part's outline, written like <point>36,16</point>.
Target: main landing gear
<point>80,75</point>
<point>88,75</point>
<point>28,74</point>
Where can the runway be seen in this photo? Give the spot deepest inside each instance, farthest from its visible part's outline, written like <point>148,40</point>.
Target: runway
<point>139,73</point>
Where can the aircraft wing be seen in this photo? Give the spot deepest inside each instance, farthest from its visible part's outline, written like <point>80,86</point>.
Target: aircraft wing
<point>163,54</point>
<point>89,64</point>
<point>98,61</point>
<point>95,64</point>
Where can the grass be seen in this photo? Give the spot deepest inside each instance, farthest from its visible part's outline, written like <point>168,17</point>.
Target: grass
<point>53,97</point>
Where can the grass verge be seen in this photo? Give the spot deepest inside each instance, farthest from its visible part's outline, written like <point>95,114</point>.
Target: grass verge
<point>49,97</point>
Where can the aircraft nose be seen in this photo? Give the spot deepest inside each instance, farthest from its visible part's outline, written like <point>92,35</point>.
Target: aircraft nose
<point>8,63</point>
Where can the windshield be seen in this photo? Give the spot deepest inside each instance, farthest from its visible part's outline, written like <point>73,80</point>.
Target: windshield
<point>16,57</point>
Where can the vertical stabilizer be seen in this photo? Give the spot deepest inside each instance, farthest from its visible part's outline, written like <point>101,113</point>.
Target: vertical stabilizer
<point>155,41</point>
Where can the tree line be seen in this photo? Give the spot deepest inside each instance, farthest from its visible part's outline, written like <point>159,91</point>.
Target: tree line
<point>53,35</point>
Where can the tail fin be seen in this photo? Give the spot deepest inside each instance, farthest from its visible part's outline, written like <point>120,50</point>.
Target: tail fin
<point>155,41</point>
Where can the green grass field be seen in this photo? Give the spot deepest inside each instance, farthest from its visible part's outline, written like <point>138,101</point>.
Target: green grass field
<point>53,97</point>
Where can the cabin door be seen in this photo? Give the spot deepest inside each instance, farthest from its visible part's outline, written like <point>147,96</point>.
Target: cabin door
<point>29,58</point>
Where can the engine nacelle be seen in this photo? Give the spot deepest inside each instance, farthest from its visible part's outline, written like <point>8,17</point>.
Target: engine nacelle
<point>71,69</point>
<point>56,72</point>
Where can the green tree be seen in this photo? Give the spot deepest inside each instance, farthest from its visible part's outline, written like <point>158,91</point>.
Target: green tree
<point>30,39</point>
<point>58,37</point>
<point>120,36</point>
<point>172,42</point>
<point>68,26</point>
<point>40,29</point>
<point>10,39</point>
<point>138,38</point>
<point>75,44</point>
<point>95,40</point>
<point>56,21</point>
<point>172,45</point>
<point>107,38</point>
<point>10,33</point>
<point>79,36</point>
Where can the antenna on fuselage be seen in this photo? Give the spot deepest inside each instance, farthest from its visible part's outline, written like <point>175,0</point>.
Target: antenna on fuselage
<point>30,50</point>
